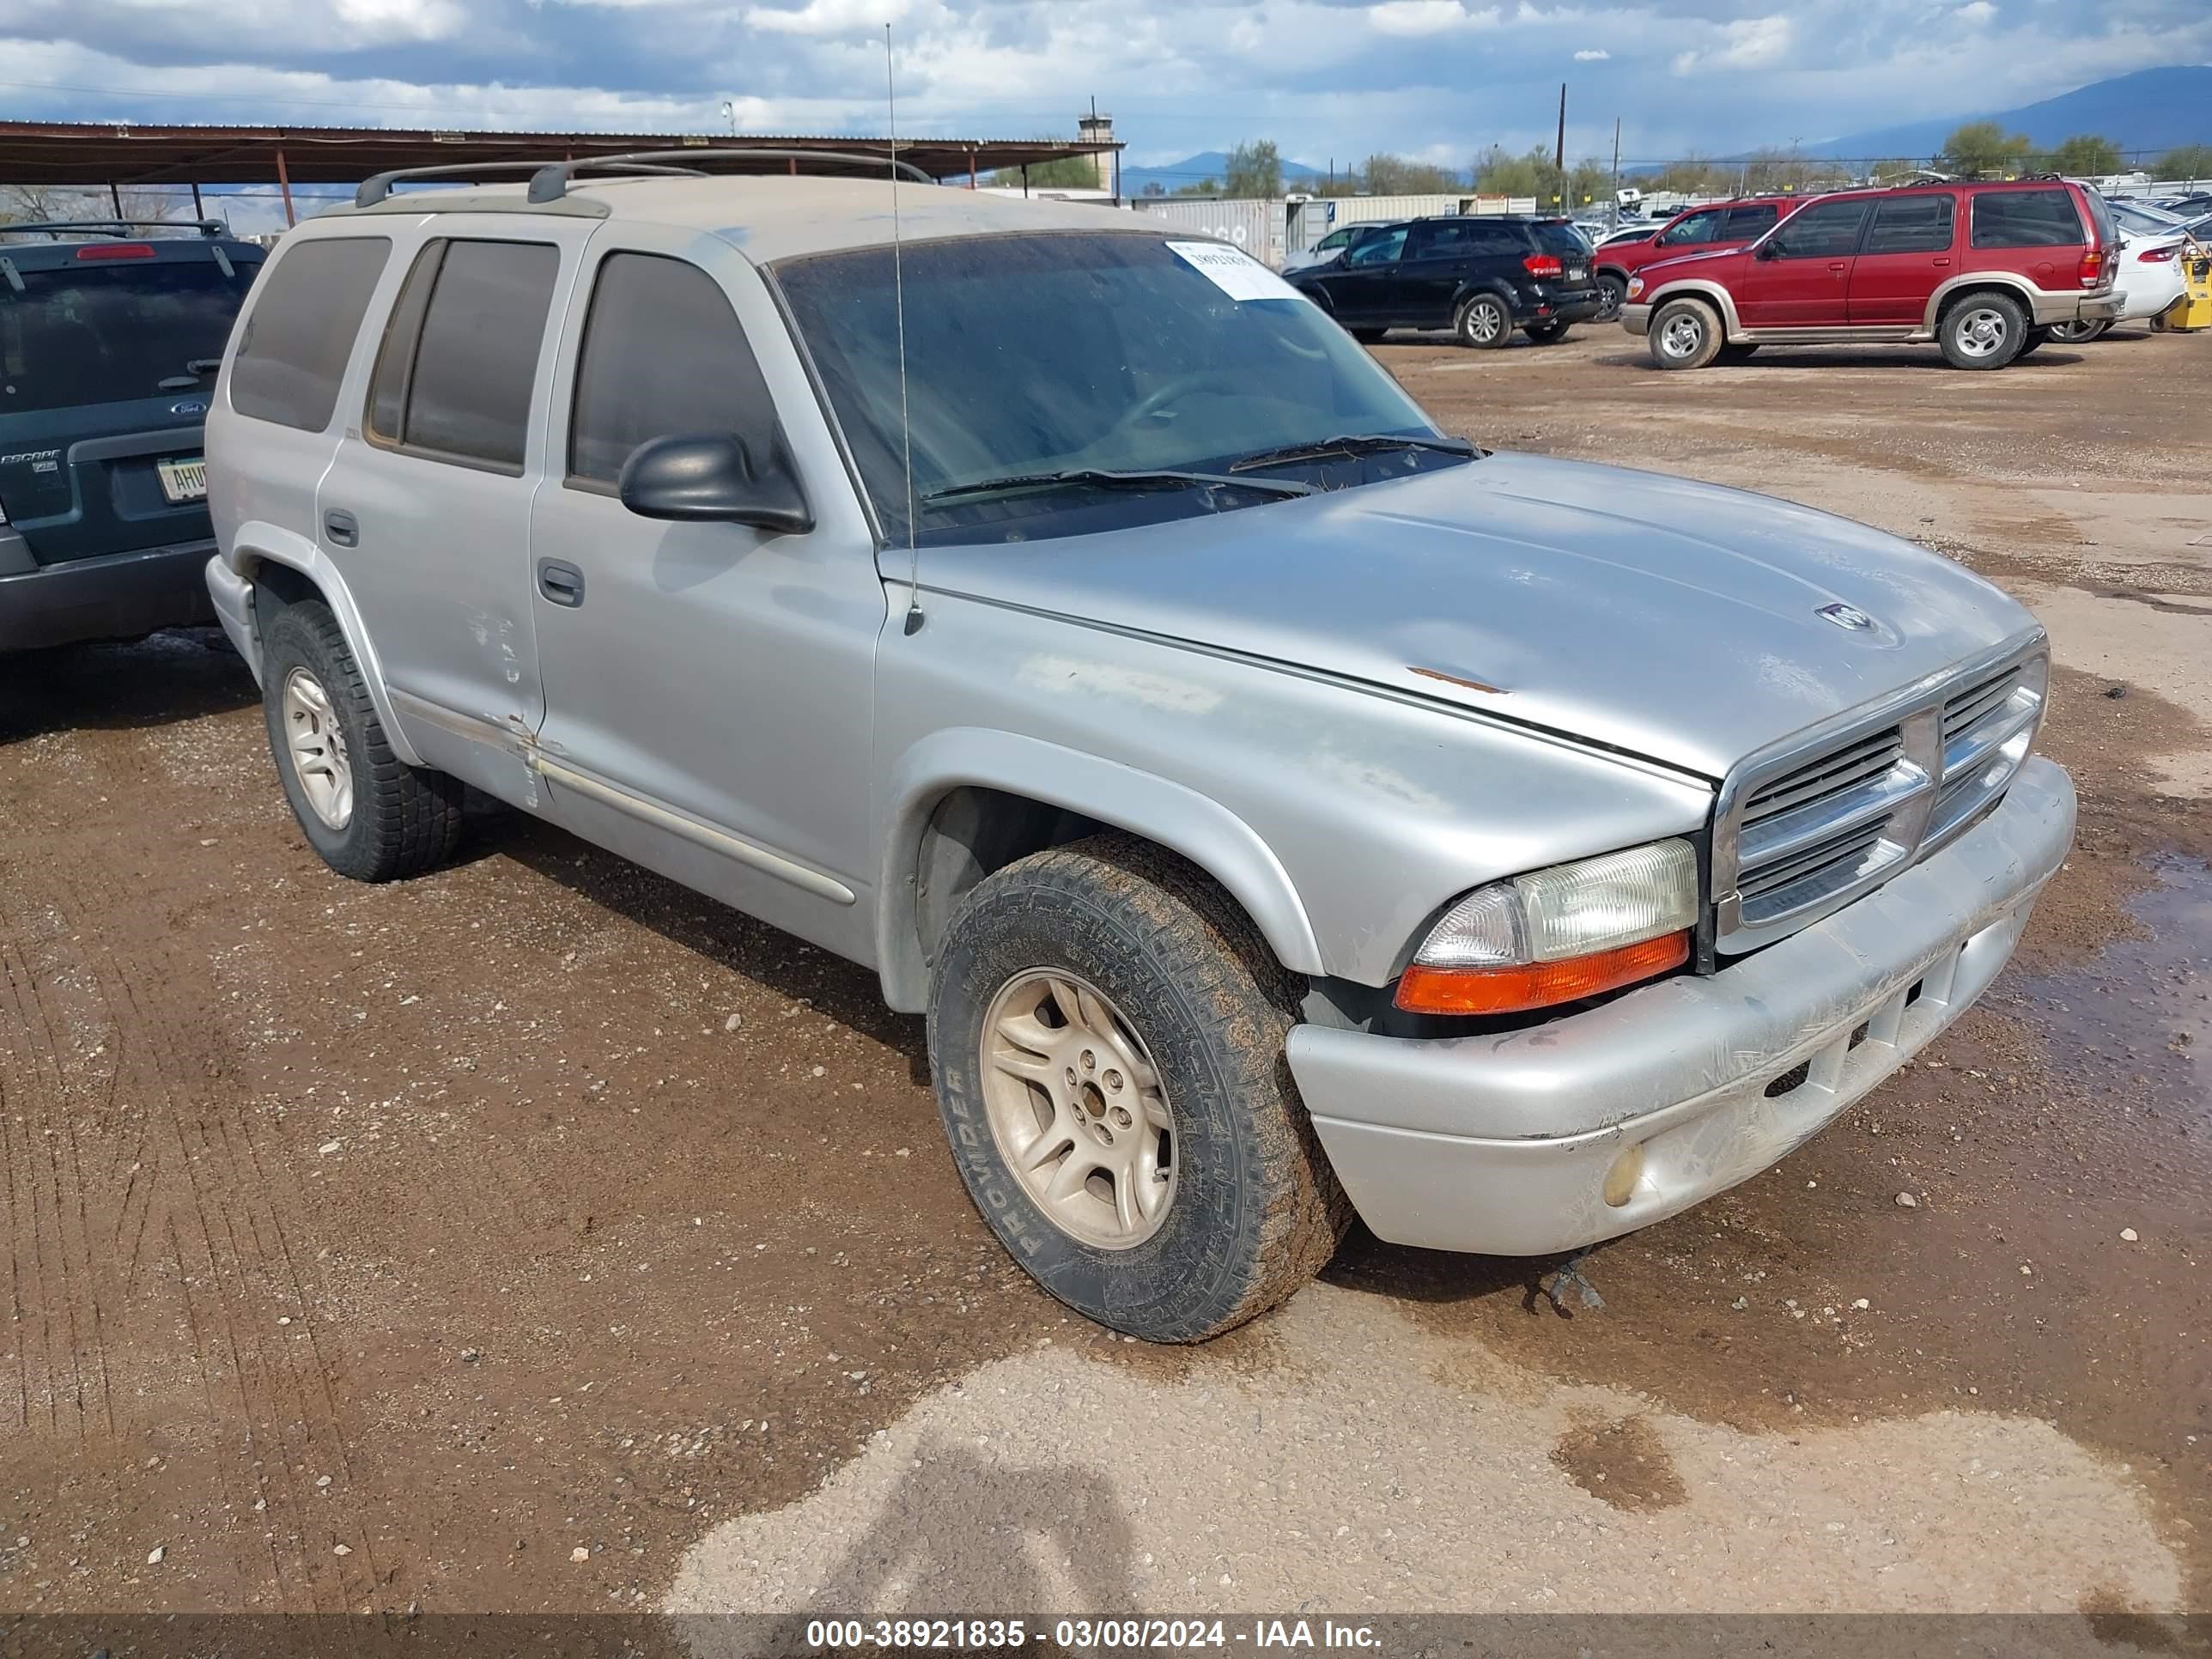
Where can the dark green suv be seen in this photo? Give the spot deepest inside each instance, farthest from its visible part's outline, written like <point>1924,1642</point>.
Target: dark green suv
<point>109,340</point>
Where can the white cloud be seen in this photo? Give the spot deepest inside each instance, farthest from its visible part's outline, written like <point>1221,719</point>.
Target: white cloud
<point>1413,17</point>
<point>1749,43</point>
<point>1977,12</point>
<point>827,16</point>
<point>1588,57</point>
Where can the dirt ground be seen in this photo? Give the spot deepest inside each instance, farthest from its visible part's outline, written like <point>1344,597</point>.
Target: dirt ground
<point>535,1235</point>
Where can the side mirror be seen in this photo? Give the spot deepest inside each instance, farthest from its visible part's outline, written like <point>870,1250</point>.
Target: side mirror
<point>714,478</point>
<point>1766,249</point>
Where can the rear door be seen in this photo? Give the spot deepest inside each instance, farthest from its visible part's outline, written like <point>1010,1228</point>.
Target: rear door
<point>2036,232</point>
<point>107,357</point>
<point>1801,276</point>
<point>426,507</point>
<point>1907,254</point>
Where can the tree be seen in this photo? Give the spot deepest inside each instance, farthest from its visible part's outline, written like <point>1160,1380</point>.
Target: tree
<point>1693,175</point>
<point>1255,170</point>
<point>34,203</point>
<point>1498,172</point>
<point>1394,175</point>
<point>1981,147</point>
<point>1203,188</point>
<point>1068,172</point>
<point>2186,162</point>
<point>2086,154</point>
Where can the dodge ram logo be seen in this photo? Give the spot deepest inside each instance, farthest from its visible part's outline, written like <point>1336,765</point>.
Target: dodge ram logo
<point>1847,616</point>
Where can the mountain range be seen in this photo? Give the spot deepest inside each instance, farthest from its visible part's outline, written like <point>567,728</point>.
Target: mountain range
<point>2150,110</point>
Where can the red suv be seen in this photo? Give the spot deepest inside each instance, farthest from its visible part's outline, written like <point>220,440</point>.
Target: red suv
<point>1714,228</point>
<point>1985,270</point>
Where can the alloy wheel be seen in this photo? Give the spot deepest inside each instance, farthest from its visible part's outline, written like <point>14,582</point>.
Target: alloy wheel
<point>319,749</point>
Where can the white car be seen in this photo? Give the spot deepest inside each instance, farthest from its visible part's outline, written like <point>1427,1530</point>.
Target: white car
<point>2149,278</point>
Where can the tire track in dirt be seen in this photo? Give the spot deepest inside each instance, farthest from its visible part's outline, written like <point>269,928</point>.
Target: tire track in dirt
<point>144,1214</point>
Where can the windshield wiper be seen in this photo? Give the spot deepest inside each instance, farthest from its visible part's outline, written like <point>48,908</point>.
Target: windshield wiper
<point>1349,444</point>
<point>1104,478</point>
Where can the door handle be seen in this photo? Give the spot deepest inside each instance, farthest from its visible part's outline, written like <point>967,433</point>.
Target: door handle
<point>1837,267</point>
<point>561,582</point>
<point>1942,263</point>
<point>341,527</point>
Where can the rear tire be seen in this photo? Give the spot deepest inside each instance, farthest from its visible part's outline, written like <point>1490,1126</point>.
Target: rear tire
<point>1546,333</point>
<point>368,813</point>
<point>1986,330</point>
<point>2080,332</point>
<point>1484,322</point>
<point>1367,335</point>
<point>1613,294</point>
<point>1735,354</point>
<point>1686,334</point>
<point>1173,1053</point>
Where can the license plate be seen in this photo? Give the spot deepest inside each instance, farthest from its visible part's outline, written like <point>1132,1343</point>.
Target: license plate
<point>1576,273</point>
<point>183,481</point>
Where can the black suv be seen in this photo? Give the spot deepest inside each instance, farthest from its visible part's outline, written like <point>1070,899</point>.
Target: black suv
<point>109,341</point>
<point>1480,277</point>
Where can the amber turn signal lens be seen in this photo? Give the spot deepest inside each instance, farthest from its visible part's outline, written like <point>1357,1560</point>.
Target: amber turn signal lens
<point>1537,984</point>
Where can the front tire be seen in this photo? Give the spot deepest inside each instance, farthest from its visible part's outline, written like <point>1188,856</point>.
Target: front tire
<point>1546,333</point>
<point>1735,354</point>
<point>1106,1034</point>
<point>1982,330</point>
<point>369,814</point>
<point>1367,336</point>
<point>1613,294</point>
<point>1484,322</point>
<point>1686,334</point>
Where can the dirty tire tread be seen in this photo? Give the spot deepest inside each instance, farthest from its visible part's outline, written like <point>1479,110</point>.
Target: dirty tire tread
<point>1213,962</point>
<point>1714,336</point>
<point>405,819</point>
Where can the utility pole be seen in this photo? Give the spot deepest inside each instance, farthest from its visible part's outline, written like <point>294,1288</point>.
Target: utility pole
<point>1559,149</point>
<point>1615,217</point>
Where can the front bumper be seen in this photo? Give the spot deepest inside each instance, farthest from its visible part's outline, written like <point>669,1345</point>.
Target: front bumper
<point>1636,319</point>
<point>117,596</point>
<point>1504,1145</point>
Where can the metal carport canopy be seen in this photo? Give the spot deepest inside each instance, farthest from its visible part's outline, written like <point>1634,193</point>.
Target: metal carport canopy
<point>102,153</point>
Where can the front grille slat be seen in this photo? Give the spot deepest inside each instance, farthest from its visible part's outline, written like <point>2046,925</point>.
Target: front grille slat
<point>1830,825</point>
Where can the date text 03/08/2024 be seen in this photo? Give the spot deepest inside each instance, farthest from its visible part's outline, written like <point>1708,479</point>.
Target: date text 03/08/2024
<point>1085,1634</point>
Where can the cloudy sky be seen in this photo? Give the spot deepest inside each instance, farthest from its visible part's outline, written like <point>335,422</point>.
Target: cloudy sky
<point>1324,78</point>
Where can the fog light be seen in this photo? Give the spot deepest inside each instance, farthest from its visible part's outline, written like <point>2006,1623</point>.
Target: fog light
<point>1620,1179</point>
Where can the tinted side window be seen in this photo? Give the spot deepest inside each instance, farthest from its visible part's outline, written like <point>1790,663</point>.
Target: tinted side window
<point>1378,250</point>
<point>302,329</point>
<point>663,353</point>
<point>1747,224</point>
<point>1704,227</point>
<point>1827,230</point>
<point>395,357</point>
<point>1335,239</point>
<point>476,356</point>
<point>2026,218</point>
<point>1911,224</point>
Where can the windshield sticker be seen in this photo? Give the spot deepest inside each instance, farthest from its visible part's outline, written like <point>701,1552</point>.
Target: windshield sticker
<point>1232,271</point>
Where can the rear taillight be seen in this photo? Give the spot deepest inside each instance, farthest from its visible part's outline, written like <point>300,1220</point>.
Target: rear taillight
<point>115,251</point>
<point>2093,267</point>
<point>1542,264</point>
<point>2156,256</point>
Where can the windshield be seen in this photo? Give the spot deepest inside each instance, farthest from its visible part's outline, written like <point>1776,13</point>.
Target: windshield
<point>110,330</point>
<point>1044,353</point>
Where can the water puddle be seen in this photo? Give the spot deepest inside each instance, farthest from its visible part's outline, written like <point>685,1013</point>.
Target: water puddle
<point>2136,1025</point>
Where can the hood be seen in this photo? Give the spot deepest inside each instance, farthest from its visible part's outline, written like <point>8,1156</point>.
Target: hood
<point>1678,621</point>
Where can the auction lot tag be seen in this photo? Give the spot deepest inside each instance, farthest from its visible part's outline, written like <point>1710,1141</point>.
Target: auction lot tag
<point>1234,272</point>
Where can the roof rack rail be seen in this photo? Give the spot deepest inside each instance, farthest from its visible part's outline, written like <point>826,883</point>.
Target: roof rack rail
<point>550,180</point>
<point>55,228</point>
<point>550,183</point>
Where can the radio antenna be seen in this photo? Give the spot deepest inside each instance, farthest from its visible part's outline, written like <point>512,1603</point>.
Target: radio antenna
<point>913,618</point>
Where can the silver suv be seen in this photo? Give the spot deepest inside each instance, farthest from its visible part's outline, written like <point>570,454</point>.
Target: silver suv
<point>1279,808</point>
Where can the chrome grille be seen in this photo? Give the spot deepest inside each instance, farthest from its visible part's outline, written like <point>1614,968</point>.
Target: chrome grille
<point>1805,831</point>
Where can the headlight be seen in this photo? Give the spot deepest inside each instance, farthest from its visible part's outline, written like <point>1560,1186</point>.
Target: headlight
<point>1558,935</point>
<point>1635,287</point>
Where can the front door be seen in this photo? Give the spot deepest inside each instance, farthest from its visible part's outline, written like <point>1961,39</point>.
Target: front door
<point>426,507</point>
<point>1800,276</point>
<point>1907,255</point>
<point>709,685</point>
<point>1363,287</point>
